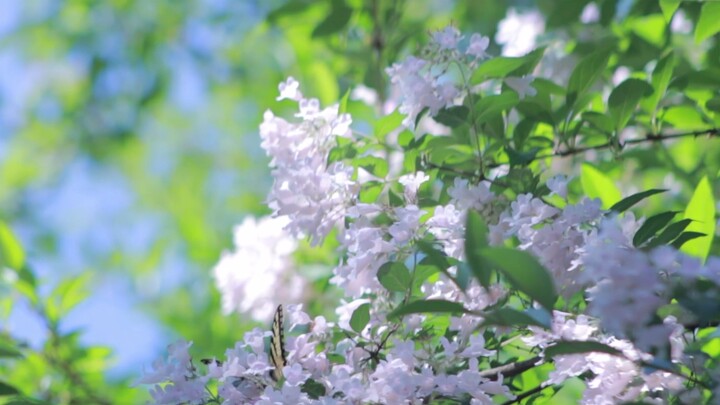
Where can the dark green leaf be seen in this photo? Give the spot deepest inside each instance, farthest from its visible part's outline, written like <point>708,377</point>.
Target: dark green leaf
<point>653,224</point>
<point>373,164</point>
<point>289,8</point>
<point>417,307</point>
<point>586,73</point>
<point>492,105</point>
<point>6,389</point>
<point>627,202</point>
<point>360,318</point>
<point>336,21</point>
<point>565,347</point>
<point>525,273</point>
<point>503,66</point>
<point>422,272</point>
<point>476,232</point>
<point>686,236</point>
<point>9,351</point>
<point>625,98</point>
<point>599,121</point>
<point>670,233</point>
<point>511,317</point>
<point>453,116</point>
<point>394,276</point>
<point>660,80</point>
<point>313,388</point>
<point>713,104</point>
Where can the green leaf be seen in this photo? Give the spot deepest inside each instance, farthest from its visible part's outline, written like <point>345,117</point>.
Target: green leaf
<point>360,318</point>
<point>9,351</point>
<point>709,22</point>
<point>585,74</point>
<point>660,80</point>
<point>625,98</point>
<point>627,202</point>
<point>599,120</point>
<point>566,347</point>
<point>713,104</point>
<point>373,164</point>
<point>503,66</point>
<point>342,109</point>
<point>476,231</point>
<point>336,21</point>
<point>652,226</point>
<point>509,317</point>
<point>387,124</point>
<point>11,252</point>
<point>701,210</point>
<point>394,276</point>
<point>7,389</point>
<point>489,106</point>
<point>424,306</point>
<point>598,185</point>
<point>668,8</point>
<point>26,401</point>
<point>685,237</point>
<point>289,8</point>
<point>525,273</point>
<point>313,388</point>
<point>71,292</point>
<point>670,233</point>
<point>453,117</point>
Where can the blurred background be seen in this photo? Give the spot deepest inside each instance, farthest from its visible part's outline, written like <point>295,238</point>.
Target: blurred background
<point>129,149</point>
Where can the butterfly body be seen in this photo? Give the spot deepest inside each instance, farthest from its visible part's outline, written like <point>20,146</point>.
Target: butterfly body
<point>278,357</point>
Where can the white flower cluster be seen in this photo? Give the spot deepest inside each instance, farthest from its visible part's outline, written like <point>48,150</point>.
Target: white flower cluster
<point>310,193</point>
<point>260,272</point>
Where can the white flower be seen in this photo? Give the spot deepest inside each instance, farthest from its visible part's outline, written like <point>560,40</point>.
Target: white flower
<point>521,85</point>
<point>448,38</point>
<point>478,46</point>
<point>289,89</point>
<point>260,272</point>
<point>517,32</point>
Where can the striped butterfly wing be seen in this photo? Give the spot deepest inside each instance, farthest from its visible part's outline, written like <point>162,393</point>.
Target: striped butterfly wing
<point>277,345</point>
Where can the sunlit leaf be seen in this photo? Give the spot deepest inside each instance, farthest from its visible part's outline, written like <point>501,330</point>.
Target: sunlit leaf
<point>701,210</point>
<point>598,185</point>
<point>11,252</point>
<point>709,22</point>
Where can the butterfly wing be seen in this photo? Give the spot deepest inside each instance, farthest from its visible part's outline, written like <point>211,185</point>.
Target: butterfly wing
<point>277,345</point>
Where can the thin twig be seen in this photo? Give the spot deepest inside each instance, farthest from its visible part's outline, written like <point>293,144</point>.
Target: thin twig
<point>510,370</point>
<point>525,394</point>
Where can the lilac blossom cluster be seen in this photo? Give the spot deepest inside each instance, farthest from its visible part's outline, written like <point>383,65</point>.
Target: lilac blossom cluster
<point>586,251</point>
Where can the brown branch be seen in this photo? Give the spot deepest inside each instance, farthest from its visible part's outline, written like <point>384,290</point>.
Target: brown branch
<point>525,394</point>
<point>510,370</point>
<point>648,138</point>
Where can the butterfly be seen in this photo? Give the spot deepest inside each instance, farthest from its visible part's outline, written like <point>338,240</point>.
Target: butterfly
<point>278,356</point>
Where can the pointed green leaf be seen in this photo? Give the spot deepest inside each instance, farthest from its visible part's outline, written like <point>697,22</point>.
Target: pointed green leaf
<point>627,202</point>
<point>625,98</point>
<point>503,66</point>
<point>360,318</point>
<point>7,389</point>
<point>394,276</point>
<point>9,351</point>
<point>585,74</point>
<point>336,21</point>
<point>566,347</point>
<point>424,306</point>
<point>598,185</point>
<point>701,210</point>
<point>661,76</point>
<point>11,252</point>
<point>709,22</point>
<point>476,232</point>
<point>490,106</point>
<point>509,317</point>
<point>652,226</point>
<point>525,273</point>
<point>686,236</point>
<point>387,124</point>
<point>670,233</point>
<point>453,117</point>
<point>668,8</point>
